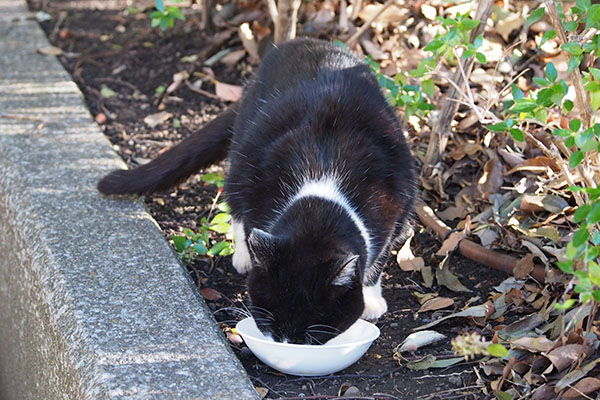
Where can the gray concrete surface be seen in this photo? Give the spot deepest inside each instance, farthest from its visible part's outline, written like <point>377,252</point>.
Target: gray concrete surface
<point>94,303</point>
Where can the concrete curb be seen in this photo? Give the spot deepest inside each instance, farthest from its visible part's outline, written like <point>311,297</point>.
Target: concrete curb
<point>94,302</point>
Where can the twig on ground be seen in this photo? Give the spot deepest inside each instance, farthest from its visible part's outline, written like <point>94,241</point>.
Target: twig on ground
<point>472,250</point>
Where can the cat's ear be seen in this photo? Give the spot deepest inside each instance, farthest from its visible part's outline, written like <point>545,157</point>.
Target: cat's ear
<point>347,271</point>
<point>262,245</point>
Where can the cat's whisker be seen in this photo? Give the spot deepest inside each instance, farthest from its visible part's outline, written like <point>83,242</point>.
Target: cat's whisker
<point>322,326</point>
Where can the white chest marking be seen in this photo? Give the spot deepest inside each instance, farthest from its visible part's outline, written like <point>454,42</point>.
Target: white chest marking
<point>328,189</point>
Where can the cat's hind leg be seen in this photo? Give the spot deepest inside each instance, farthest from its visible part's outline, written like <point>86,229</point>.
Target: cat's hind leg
<point>241,257</point>
<point>375,305</point>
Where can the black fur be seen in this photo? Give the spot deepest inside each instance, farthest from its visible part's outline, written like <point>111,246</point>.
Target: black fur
<point>313,110</point>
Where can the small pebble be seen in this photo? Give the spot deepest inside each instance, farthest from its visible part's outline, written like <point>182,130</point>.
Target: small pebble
<point>101,119</point>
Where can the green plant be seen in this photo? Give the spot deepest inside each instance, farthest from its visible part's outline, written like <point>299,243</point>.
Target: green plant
<point>200,243</point>
<point>578,142</point>
<point>165,16</point>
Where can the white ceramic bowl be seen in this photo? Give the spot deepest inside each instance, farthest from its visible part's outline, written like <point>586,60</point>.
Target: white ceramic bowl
<point>310,360</point>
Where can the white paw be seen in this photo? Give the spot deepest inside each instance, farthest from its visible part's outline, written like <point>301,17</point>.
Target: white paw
<point>241,258</point>
<point>375,304</point>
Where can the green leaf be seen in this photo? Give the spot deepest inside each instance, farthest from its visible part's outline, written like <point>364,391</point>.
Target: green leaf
<point>220,228</point>
<point>499,127</point>
<point>107,92</point>
<point>223,206</point>
<point>548,35</point>
<point>570,141</point>
<point>517,93</point>
<point>574,125</point>
<point>595,73</point>
<point>180,242</point>
<point>541,81</point>
<point>575,159</point>
<point>581,236</point>
<point>481,57</point>
<point>594,214</point>
<point>434,45</point>
<point>160,5</point>
<point>595,100</point>
<point>572,48</point>
<point>500,395</point>
<point>574,63</point>
<point>497,350</point>
<point>561,132</point>
<point>221,218</point>
<point>571,26</point>
<point>427,87</point>
<point>215,178</point>
<point>199,248</point>
<point>551,73</point>
<point>593,16</point>
<point>221,248</point>
<point>581,213</point>
<point>542,115</point>
<point>535,16</point>
<point>566,305</point>
<point>568,106</point>
<point>524,105</point>
<point>478,41</point>
<point>517,134</point>
<point>468,24</point>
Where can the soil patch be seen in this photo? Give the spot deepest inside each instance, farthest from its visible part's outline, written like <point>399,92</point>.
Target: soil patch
<point>121,64</point>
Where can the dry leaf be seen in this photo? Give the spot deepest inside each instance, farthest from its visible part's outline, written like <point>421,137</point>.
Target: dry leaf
<point>427,276</point>
<point>509,23</point>
<point>585,386</point>
<point>228,92</point>
<point>423,297</point>
<point>428,12</point>
<point>437,303</point>
<point>392,15</point>
<point>416,340</point>
<point>450,244</point>
<point>406,260</point>
<point>248,41</point>
<point>262,392</point>
<point>234,338</point>
<point>153,120</point>
<point>210,294</point>
<point>453,212</point>
<point>564,356</point>
<point>492,177</point>
<point>524,266</point>
<point>480,311</point>
<point>534,344</point>
<point>178,79</point>
<point>50,51</point>
<point>446,278</point>
<point>234,57</point>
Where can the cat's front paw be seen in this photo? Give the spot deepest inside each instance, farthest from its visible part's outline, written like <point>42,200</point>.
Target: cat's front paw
<point>375,304</point>
<point>241,258</point>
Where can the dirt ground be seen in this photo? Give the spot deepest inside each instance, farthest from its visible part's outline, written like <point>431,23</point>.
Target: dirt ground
<point>106,47</point>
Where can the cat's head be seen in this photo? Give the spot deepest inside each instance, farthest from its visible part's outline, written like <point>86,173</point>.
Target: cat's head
<point>303,291</point>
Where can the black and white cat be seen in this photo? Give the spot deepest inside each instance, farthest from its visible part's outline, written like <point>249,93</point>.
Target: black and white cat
<point>321,184</point>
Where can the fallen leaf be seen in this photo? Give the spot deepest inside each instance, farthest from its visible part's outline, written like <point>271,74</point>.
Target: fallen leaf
<point>430,361</point>
<point>427,276</point>
<point>210,294</point>
<point>153,120</point>
<point>487,236</point>
<point>585,386</point>
<point>428,12</point>
<point>416,340</point>
<point>234,338</point>
<point>424,297</point>
<point>50,51</point>
<point>437,303</point>
<point>453,212</point>
<point>564,356</point>
<point>525,324</point>
<point>492,177</point>
<point>465,149</point>
<point>533,344</point>
<point>509,23</point>
<point>509,283</point>
<point>234,57</point>
<point>406,260</point>
<point>542,161</point>
<point>524,266</point>
<point>262,392</point>
<point>446,278</point>
<point>475,311</point>
<point>450,244</point>
<point>228,92</point>
<point>391,15</point>
<point>576,375</point>
<point>107,92</point>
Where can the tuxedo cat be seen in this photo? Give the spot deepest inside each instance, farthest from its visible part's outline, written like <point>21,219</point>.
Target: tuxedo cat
<point>321,184</point>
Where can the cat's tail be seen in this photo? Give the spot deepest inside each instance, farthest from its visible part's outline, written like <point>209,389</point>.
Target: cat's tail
<point>200,150</point>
